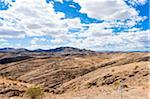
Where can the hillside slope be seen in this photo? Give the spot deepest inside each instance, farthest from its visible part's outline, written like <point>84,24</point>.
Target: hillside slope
<point>99,74</point>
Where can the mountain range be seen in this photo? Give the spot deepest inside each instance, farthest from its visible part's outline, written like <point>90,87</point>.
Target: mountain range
<point>71,72</point>
<point>56,50</point>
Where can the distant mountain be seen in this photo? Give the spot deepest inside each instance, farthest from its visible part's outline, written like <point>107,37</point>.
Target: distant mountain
<point>62,49</point>
<point>59,50</point>
<point>70,50</point>
<point>13,50</point>
<point>6,49</point>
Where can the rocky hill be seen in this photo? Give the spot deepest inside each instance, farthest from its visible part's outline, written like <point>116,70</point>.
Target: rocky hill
<point>70,72</point>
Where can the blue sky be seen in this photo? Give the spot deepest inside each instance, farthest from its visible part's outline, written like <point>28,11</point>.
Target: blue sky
<point>101,25</point>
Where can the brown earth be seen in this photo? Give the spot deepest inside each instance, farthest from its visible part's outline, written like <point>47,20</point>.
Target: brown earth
<point>115,75</point>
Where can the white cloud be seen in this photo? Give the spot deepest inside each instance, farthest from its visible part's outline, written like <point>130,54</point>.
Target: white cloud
<point>121,42</point>
<point>11,33</point>
<point>36,18</point>
<point>31,16</point>
<point>110,10</point>
<point>35,43</point>
<point>36,40</point>
<point>57,41</point>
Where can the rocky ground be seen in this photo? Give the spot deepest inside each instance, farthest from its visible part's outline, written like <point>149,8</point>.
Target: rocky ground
<point>115,75</point>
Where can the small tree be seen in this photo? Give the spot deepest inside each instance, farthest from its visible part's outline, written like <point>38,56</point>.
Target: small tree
<point>34,92</point>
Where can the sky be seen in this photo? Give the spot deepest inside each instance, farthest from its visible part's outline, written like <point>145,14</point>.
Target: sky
<point>100,25</point>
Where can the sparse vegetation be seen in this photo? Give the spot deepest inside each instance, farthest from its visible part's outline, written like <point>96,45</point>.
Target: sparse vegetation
<point>113,70</point>
<point>125,86</point>
<point>90,84</point>
<point>117,83</point>
<point>136,67</point>
<point>34,92</point>
<point>62,76</point>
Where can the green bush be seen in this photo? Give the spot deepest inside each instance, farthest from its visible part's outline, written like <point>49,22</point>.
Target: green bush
<point>34,92</point>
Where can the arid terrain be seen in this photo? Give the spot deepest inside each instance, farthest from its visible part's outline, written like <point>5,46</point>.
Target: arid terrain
<point>69,73</point>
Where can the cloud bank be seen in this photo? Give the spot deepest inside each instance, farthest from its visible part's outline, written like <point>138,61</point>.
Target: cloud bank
<point>40,26</point>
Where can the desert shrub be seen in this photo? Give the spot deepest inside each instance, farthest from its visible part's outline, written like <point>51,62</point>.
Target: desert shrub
<point>125,86</point>
<point>34,92</point>
<point>136,67</point>
<point>90,84</point>
<point>113,70</point>
<point>117,83</point>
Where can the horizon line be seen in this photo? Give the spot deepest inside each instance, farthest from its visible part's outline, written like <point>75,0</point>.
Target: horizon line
<point>76,48</point>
